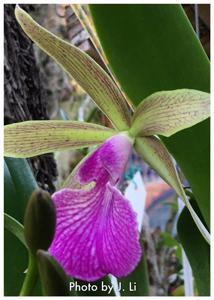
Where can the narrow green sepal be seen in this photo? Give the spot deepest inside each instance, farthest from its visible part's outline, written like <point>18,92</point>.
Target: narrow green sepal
<point>87,73</point>
<point>167,112</point>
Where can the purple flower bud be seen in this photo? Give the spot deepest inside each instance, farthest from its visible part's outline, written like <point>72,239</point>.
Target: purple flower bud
<point>96,232</point>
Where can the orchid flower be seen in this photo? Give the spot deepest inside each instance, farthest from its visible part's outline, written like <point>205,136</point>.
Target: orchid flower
<point>96,232</point>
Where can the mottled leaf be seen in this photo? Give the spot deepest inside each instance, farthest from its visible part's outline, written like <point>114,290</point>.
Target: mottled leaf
<point>92,78</point>
<point>168,112</point>
<point>153,151</point>
<point>31,138</point>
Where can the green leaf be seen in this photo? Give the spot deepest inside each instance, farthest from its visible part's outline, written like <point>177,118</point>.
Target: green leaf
<point>168,240</point>
<point>168,112</point>
<point>171,242</point>
<point>54,280</point>
<point>196,249</point>
<point>91,77</point>
<point>10,205</point>
<point>153,151</point>
<point>153,47</point>
<point>178,291</point>
<point>19,184</point>
<point>15,264</point>
<point>24,183</point>
<point>31,138</point>
<point>16,228</point>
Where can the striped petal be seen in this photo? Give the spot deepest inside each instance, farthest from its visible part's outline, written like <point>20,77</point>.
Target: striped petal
<point>168,112</point>
<point>31,138</point>
<point>96,232</point>
<point>91,77</point>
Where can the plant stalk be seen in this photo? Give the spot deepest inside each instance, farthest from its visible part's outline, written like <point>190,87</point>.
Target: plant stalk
<point>30,278</point>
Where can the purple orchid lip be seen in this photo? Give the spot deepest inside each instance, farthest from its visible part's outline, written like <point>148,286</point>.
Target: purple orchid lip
<point>96,232</point>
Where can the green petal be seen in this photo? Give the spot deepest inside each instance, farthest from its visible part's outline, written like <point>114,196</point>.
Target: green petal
<point>91,77</point>
<point>168,112</point>
<point>153,151</point>
<point>31,138</point>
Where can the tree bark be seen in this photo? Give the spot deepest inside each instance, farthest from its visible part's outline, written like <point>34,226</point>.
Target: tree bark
<point>24,94</point>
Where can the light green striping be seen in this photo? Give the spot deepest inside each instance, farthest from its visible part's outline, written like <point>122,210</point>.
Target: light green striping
<point>168,112</point>
<point>92,78</point>
<point>31,138</point>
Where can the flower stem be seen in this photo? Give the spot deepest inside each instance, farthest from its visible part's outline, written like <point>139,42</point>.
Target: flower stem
<point>30,278</point>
